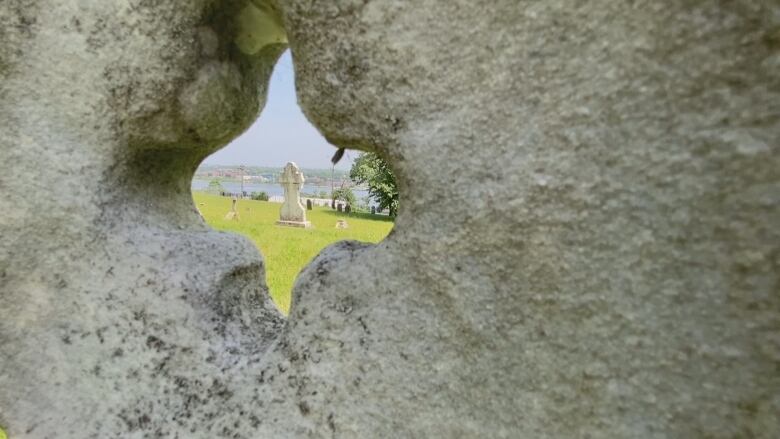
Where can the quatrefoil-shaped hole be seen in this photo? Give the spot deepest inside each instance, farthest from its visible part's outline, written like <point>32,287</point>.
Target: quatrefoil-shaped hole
<point>248,169</point>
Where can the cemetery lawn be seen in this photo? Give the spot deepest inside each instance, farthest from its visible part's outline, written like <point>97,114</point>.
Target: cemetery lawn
<point>287,250</point>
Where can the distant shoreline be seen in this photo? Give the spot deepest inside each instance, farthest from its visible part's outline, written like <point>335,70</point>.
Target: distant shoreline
<point>234,186</point>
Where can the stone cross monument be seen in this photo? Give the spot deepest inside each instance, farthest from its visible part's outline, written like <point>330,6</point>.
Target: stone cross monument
<point>292,213</point>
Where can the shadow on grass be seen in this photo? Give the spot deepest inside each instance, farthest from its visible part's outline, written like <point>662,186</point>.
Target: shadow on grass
<point>366,216</point>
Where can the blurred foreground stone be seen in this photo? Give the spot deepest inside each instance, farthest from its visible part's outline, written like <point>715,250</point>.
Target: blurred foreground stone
<point>587,244</point>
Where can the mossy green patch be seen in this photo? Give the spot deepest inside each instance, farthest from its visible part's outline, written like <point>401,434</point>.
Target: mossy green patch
<point>287,249</point>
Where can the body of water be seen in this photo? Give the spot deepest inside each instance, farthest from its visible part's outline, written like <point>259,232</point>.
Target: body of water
<point>269,188</point>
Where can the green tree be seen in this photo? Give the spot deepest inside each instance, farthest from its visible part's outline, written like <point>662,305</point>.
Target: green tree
<point>373,170</point>
<point>215,187</point>
<point>344,194</point>
<point>260,196</point>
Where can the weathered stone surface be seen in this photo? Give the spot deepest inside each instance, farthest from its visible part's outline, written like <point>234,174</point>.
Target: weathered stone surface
<point>122,313</point>
<point>596,254</point>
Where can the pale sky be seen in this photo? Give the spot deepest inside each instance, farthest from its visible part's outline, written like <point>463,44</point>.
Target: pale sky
<point>282,133</point>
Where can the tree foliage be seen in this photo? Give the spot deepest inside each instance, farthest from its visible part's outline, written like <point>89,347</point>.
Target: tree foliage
<point>371,169</point>
<point>344,194</point>
<point>215,187</point>
<point>260,196</point>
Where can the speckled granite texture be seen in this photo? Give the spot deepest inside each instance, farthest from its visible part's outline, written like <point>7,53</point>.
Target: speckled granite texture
<point>587,247</point>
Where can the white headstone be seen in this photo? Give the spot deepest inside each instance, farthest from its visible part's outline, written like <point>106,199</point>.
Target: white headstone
<point>233,214</point>
<point>292,212</point>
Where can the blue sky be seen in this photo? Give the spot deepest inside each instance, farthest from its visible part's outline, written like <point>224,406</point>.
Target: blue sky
<point>282,133</point>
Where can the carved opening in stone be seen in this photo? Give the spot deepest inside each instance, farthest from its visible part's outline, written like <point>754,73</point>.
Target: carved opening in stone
<point>238,189</point>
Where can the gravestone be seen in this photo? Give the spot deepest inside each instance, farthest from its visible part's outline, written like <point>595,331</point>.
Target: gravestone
<point>308,204</point>
<point>292,213</point>
<point>342,224</point>
<point>339,207</point>
<point>233,214</point>
<point>347,208</point>
<point>373,210</point>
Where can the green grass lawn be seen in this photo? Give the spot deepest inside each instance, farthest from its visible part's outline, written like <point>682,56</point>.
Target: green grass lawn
<point>288,249</point>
